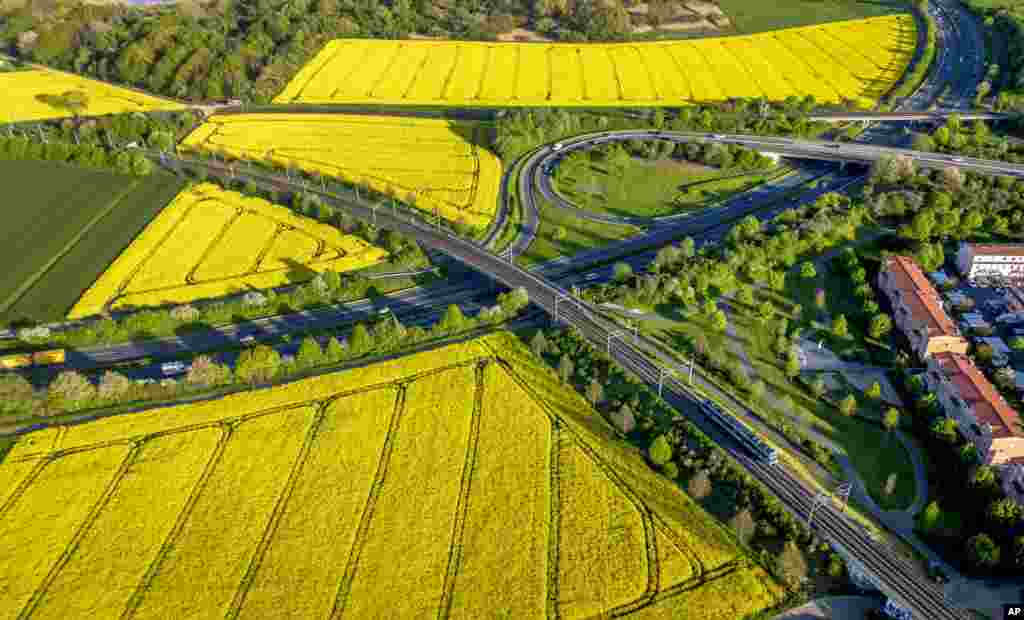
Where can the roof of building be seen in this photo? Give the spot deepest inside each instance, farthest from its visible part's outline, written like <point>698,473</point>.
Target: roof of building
<point>919,296</point>
<point>996,249</point>
<point>980,394</point>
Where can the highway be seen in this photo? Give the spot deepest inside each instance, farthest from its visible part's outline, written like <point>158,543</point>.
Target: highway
<point>546,286</point>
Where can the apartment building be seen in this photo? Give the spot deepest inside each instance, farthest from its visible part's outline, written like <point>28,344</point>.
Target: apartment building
<point>980,262</point>
<point>917,309</point>
<point>984,418</point>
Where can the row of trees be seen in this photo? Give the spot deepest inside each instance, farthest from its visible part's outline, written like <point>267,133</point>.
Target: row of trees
<point>519,131</point>
<point>678,449</point>
<point>73,391</point>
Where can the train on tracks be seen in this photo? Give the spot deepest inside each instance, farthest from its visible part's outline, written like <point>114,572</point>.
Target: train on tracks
<point>738,431</point>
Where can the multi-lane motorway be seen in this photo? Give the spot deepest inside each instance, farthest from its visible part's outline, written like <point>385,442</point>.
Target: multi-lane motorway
<point>897,577</point>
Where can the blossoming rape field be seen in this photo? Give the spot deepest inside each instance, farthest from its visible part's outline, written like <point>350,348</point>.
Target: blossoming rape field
<point>20,89</point>
<point>463,482</point>
<point>431,163</point>
<point>857,60</point>
<point>210,242</point>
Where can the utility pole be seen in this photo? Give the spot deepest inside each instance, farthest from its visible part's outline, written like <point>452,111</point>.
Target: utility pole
<point>508,254</point>
<point>558,298</point>
<point>691,370</point>
<point>610,336</point>
<point>661,379</point>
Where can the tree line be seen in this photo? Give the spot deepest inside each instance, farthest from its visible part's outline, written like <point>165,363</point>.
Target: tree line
<point>72,391</point>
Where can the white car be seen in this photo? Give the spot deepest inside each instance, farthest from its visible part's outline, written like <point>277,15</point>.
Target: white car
<point>958,159</point>
<point>384,311</point>
<point>247,339</point>
<point>172,368</point>
<point>717,136</point>
<point>592,276</point>
<point>557,147</point>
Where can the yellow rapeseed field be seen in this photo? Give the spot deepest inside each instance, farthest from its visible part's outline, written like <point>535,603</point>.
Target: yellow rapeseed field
<point>430,163</point>
<point>444,484</point>
<point>858,60</point>
<point>210,242</point>
<point>21,88</point>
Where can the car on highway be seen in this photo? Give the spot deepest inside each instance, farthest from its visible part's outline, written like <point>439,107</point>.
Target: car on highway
<point>384,311</point>
<point>558,146</point>
<point>247,339</point>
<point>957,159</point>
<point>172,368</point>
<point>717,136</point>
<point>591,276</point>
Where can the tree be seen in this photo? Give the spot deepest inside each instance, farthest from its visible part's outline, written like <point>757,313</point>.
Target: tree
<point>945,428</point>
<point>539,344</point>
<point>765,310</point>
<point>204,372</point>
<point>873,391</point>
<point>840,328</point>
<point>984,478</point>
<point>259,363</point>
<point>743,524</point>
<point>1018,551</point>
<point>757,391</point>
<point>792,366</point>
<point>565,368</point>
<point>360,342</point>
<point>622,272</point>
<point>982,551</point>
<point>791,566</point>
<point>310,353</point>
<point>699,486</point>
<point>719,322</point>
<point>930,517</point>
<point>660,451</point>
<point>113,386</point>
<point>453,319</point>
<point>16,394</point>
<point>595,393</point>
<point>71,391</point>
<point>623,419</point>
<point>879,326</point>
<point>818,386</point>
<point>745,294</point>
<point>1004,512</point>
<point>890,485</point>
<point>848,406</point>
<point>891,418</point>
<point>334,352</point>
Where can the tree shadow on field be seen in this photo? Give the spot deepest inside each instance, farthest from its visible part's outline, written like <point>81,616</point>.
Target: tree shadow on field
<point>297,272</point>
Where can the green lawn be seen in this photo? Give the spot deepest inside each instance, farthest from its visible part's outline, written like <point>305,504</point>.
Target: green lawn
<point>872,451</point>
<point>579,235</point>
<point>652,188</point>
<point>748,16</point>
<point>62,226</point>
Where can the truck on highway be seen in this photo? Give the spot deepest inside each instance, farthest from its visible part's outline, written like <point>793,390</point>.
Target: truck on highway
<point>17,360</point>
<point>44,358</point>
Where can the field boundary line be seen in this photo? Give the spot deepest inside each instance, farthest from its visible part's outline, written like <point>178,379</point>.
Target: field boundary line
<point>483,73</point>
<point>680,71</point>
<point>190,277</point>
<point>386,72</point>
<point>23,485</point>
<point>746,70</point>
<point>275,517</point>
<point>615,73</point>
<point>416,75</point>
<point>554,520</point>
<point>650,76</point>
<point>583,75</point>
<point>811,70</point>
<point>704,62</point>
<point>29,282</point>
<point>380,476</point>
<point>551,72</point>
<point>227,430</point>
<point>451,72</point>
<point>461,506</point>
<point>83,529</point>
<point>826,53</point>
<point>691,556</point>
<point>262,254</point>
<point>248,416</point>
<point>646,519</point>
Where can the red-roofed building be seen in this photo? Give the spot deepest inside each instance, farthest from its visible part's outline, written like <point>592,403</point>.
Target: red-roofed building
<point>983,417</point>
<point>917,309</point>
<point>980,262</point>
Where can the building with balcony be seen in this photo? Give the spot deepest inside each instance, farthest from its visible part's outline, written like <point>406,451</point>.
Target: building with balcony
<point>991,262</point>
<point>917,309</point>
<point>984,418</point>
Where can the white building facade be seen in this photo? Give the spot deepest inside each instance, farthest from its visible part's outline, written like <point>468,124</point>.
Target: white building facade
<point>980,262</point>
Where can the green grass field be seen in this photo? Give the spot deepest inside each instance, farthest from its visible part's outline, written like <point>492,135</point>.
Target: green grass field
<point>749,16</point>
<point>561,234</point>
<point>62,226</point>
<point>652,188</point>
